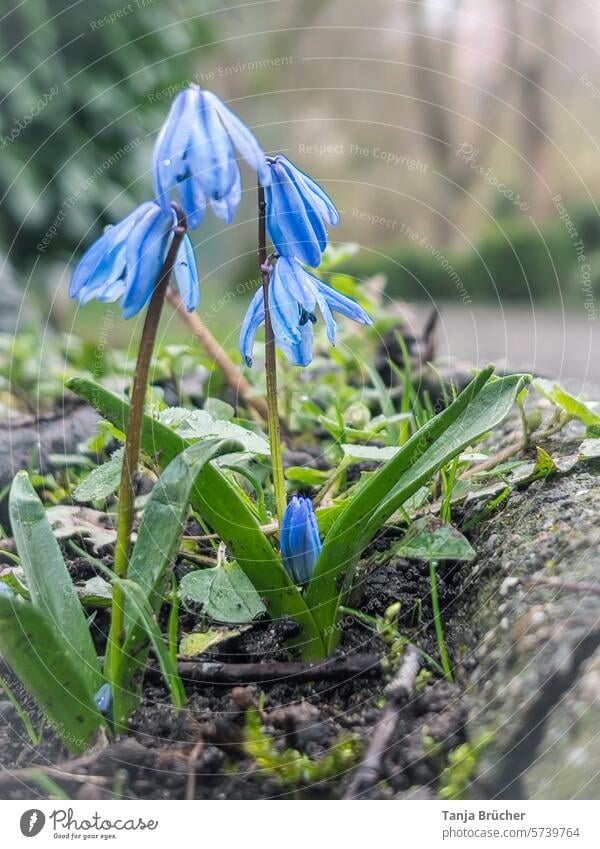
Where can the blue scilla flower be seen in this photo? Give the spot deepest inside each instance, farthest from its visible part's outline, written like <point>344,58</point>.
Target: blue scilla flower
<point>294,295</point>
<point>126,261</point>
<point>297,211</point>
<point>300,540</point>
<point>195,153</point>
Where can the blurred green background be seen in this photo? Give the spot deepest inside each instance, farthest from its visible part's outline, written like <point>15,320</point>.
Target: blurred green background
<point>459,140</point>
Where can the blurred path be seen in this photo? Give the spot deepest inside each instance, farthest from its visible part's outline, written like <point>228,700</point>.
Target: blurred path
<point>553,344</point>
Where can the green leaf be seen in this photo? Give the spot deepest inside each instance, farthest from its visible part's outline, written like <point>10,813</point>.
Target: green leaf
<point>48,579</point>
<point>478,409</point>
<point>140,608</point>
<point>199,424</point>
<point>306,476</point>
<point>49,670</point>
<point>430,539</point>
<point>103,481</point>
<point>225,593</point>
<point>574,406</point>
<point>221,505</point>
<point>369,453</point>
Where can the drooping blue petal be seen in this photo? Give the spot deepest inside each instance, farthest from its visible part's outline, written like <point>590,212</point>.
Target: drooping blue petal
<point>297,211</point>
<point>294,230</point>
<point>284,311</point>
<point>99,260</point>
<point>255,316</point>
<point>194,154</point>
<point>297,282</point>
<point>186,274</point>
<point>299,351</point>
<point>145,253</point>
<point>321,200</point>
<point>226,207</point>
<point>171,147</point>
<point>342,303</point>
<point>242,138</point>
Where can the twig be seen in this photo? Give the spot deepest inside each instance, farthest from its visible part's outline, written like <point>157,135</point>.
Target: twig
<point>233,374</point>
<point>232,674</point>
<point>371,768</point>
<point>190,786</point>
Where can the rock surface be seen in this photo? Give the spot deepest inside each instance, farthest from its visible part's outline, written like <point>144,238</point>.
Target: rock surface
<point>531,620</point>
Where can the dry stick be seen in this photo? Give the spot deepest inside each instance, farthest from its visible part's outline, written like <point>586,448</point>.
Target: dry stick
<point>190,785</point>
<point>233,374</point>
<point>232,674</point>
<point>371,768</point>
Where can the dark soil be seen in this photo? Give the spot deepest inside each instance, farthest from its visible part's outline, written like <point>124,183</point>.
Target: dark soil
<point>153,761</point>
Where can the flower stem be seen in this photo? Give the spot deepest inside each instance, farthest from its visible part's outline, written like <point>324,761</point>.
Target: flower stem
<point>131,458</point>
<point>271,366</point>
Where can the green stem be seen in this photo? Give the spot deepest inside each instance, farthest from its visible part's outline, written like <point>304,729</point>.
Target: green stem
<point>437,618</point>
<point>271,367</point>
<point>126,508</point>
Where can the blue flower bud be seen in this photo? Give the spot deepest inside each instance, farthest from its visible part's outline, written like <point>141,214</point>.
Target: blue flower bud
<point>127,259</point>
<point>300,539</point>
<point>104,700</point>
<point>297,211</point>
<point>194,153</point>
<point>294,295</point>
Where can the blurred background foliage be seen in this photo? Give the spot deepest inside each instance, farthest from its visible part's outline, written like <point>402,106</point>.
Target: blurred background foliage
<point>444,129</point>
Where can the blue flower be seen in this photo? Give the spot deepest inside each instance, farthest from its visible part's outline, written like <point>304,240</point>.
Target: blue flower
<point>300,540</point>
<point>104,700</point>
<point>127,259</point>
<point>294,295</point>
<point>297,211</point>
<point>194,153</point>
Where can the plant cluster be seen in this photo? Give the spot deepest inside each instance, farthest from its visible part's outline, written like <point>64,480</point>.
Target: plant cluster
<point>286,560</point>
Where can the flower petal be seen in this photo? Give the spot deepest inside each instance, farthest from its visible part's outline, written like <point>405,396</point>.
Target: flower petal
<point>171,147</point>
<point>342,303</point>
<point>320,198</point>
<point>255,316</point>
<point>242,138</point>
<point>145,252</point>
<point>186,274</point>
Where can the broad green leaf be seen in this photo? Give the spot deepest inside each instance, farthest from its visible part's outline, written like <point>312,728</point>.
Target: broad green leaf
<point>199,424</point>
<point>103,481</point>
<point>158,537</point>
<point>200,641</point>
<point>219,502</point>
<point>48,579</point>
<point>141,609</point>
<point>369,453</point>
<point>478,409</point>
<point>225,593</point>
<point>96,592</point>
<point>574,406</point>
<point>219,409</point>
<point>306,476</point>
<point>49,670</point>
<point>430,539</point>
